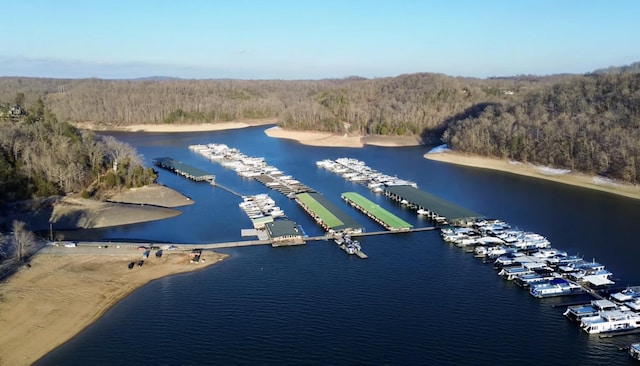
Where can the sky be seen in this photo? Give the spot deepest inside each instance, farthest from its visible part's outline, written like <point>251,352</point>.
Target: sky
<point>314,39</point>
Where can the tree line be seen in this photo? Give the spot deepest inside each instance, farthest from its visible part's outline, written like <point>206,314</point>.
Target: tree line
<point>581,122</point>
<point>590,123</point>
<point>413,104</point>
<point>41,156</point>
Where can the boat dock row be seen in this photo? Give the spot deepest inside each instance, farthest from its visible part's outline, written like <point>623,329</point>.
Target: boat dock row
<point>185,170</point>
<point>252,168</point>
<point>283,184</point>
<point>383,217</point>
<point>428,205</point>
<point>400,190</point>
<point>527,259</point>
<point>357,171</point>
<point>331,219</point>
<point>327,215</point>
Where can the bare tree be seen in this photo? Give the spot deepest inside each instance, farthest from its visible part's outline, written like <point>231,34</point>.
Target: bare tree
<point>24,241</point>
<point>119,151</point>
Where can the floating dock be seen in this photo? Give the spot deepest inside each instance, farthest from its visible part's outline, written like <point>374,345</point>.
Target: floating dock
<point>288,187</point>
<point>425,203</point>
<point>350,246</point>
<point>383,217</point>
<point>185,170</point>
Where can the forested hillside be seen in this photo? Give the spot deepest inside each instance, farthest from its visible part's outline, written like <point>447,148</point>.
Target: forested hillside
<point>589,123</point>
<point>586,123</point>
<point>416,104</point>
<point>41,156</point>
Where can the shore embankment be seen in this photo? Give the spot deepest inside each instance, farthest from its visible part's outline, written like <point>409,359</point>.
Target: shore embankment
<point>136,205</point>
<point>541,172</point>
<point>176,127</point>
<point>328,139</point>
<point>60,293</point>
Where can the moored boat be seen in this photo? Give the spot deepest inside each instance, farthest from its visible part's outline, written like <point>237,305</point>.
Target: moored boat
<point>634,351</point>
<point>578,312</point>
<point>555,287</point>
<point>610,321</point>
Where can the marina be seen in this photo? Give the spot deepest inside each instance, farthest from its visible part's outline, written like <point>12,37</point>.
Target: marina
<point>501,312</point>
<point>526,258</point>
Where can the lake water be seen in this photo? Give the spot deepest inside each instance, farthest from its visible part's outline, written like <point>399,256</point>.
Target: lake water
<point>415,301</point>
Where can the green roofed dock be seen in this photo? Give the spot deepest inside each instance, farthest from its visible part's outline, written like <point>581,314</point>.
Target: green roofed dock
<point>326,214</point>
<point>424,203</point>
<point>378,214</point>
<point>185,170</point>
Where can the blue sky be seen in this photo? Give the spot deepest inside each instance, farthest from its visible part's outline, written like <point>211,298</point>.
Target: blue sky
<point>309,39</point>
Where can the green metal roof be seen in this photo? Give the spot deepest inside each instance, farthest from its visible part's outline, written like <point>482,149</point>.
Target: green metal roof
<point>432,203</point>
<point>332,216</point>
<point>374,209</point>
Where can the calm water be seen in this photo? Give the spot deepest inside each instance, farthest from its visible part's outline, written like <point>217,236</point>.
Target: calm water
<point>416,300</point>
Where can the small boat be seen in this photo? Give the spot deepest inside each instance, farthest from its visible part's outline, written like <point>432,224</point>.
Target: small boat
<point>634,351</point>
<point>480,251</point>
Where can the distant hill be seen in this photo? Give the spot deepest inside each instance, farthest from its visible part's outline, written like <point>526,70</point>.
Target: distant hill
<point>632,68</point>
<point>563,120</point>
<point>156,78</point>
<point>588,123</point>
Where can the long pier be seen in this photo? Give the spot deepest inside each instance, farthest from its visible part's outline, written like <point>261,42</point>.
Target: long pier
<point>222,245</point>
<point>216,184</point>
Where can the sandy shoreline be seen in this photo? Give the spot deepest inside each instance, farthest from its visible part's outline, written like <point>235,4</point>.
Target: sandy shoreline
<point>576,179</point>
<point>327,139</point>
<point>171,127</point>
<point>311,138</point>
<point>132,206</point>
<point>61,294</point>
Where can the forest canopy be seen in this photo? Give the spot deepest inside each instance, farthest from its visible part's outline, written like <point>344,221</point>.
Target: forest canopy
<point>41,156</point>
<point>587,123</point>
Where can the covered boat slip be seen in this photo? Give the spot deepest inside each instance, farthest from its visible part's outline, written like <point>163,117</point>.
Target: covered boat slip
<point>284,232</point>
<point>330,217</point>
<point>183,169</point>
<point>418,199</point>
<point>377,213</point>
